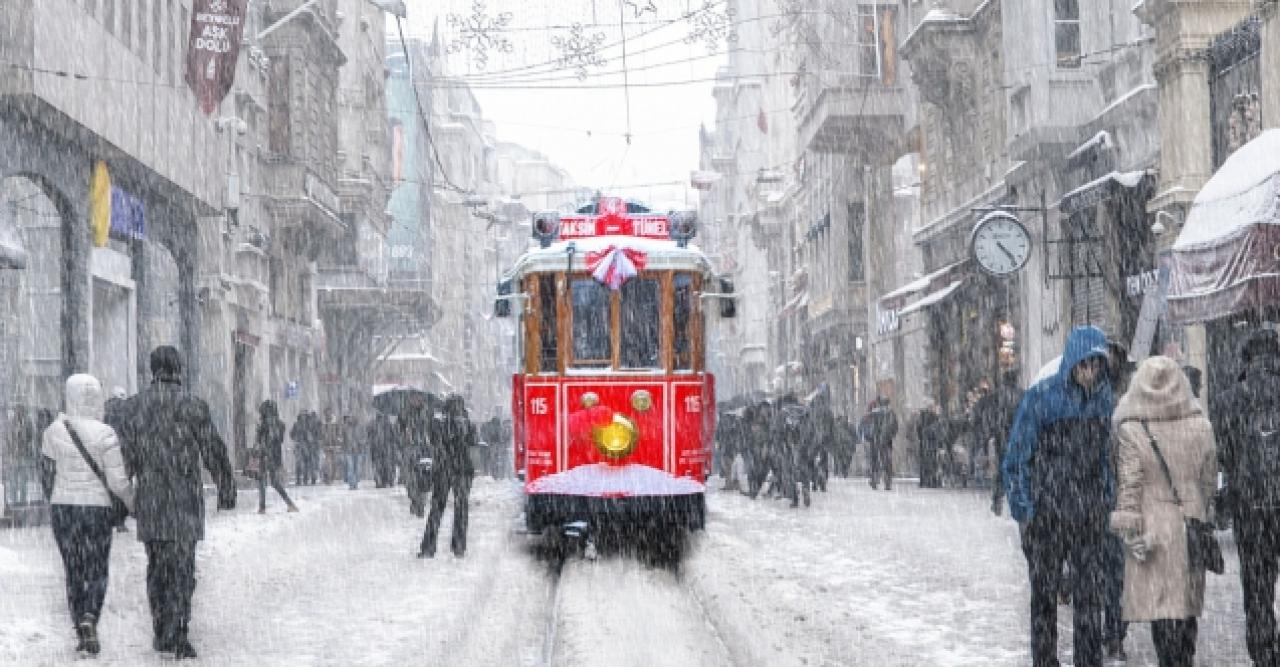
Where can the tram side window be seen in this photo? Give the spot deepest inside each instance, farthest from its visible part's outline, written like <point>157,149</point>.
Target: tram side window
<point>683,316</point>
<point>592,344</point>
<point>547,323</point>
<point>641,322</point>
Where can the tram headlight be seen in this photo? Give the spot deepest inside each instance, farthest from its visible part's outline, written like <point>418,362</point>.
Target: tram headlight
<point>616,439</point>
<point>642,400</point>
<point>546,227</point>
<point>590,399</point>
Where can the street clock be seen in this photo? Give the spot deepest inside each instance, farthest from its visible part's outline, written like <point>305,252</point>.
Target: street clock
<point>1000,244</point>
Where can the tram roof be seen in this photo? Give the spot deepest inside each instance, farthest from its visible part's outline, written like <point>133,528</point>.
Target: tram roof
<point>662,255</point>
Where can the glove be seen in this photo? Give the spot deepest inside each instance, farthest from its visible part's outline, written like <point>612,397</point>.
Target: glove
<point>1137,547</point>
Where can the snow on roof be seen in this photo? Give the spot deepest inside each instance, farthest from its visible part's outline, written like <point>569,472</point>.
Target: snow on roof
<point>920,283</point>
<point>1099,140</point>
<point>1244,192</point>
<point>1138,90</point>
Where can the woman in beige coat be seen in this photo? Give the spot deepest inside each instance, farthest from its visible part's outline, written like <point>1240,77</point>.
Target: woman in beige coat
<point>1159,586</point>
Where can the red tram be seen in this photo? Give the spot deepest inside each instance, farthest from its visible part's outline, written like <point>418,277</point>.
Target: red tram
<point>613,408</point>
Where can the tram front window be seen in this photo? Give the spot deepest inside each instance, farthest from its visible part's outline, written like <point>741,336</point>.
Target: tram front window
<point>641,341</point>
<point>547,323</point>
<point>591,340</point>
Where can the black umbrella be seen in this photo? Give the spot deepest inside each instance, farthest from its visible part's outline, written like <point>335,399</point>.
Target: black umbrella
<point>400,400</point>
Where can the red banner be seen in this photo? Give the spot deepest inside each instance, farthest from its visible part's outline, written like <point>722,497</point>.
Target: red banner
<point>212,49</point>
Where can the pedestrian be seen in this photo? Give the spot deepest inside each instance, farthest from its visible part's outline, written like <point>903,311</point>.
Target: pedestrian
<point>19,468</point>
<point>354,451</point>
<point>168,433</point>
<point>1166,473</point>
<point>882,427</point>
<point>822,445</point>
<point>303,444</point>
<point>269,440</point>
<point>845,446</point>
<point>332,446</point>
<point>1114,627</point>
<point>451,475</point>
<point>491,436</point>
<point>729,439</point>
<point>792,437</point>
<point>999,423</point>
<point>1248,435</point>
<point>1058,479</point>
<point>929,436</point>
<point>758,443</point>
<point>382,450</point>
<point>415,438</point>
<point>83,454</point>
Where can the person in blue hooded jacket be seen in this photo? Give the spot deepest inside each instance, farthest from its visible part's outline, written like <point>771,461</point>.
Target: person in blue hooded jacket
<point>1059,484</point>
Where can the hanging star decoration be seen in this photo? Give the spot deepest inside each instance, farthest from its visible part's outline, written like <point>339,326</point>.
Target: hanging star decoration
<point>480,33</point>
<point>711,27</point>
<point>640,8</point>
<point>578,50</point>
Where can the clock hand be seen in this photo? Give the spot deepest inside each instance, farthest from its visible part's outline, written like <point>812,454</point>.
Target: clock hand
<point>1006,252</point>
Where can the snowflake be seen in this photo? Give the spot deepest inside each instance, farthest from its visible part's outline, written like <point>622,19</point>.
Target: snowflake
<point>640,9</point>
<point>480,33</point>
<point>578,50</point>
<point>711,26</point>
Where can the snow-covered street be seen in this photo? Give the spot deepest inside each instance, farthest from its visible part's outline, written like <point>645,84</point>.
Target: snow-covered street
<point>911,577</point>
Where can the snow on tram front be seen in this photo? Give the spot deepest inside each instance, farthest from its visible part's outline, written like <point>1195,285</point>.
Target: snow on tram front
<point>613,408</point>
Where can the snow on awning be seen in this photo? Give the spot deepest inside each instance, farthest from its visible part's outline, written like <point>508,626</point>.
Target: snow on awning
<point>797,302</point>
<point>1227,257</point>
<point>917,285</point>
<point>1099,189</point>
<point>932,298</point>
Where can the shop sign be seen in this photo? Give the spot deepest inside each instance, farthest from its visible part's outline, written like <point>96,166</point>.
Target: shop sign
<point>292,389</point>
<point>1154,304</point>
<point>1142,283</point>
<point>887,321</point>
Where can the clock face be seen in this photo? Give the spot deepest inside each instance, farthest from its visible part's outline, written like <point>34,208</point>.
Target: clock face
<point>1000,244</point>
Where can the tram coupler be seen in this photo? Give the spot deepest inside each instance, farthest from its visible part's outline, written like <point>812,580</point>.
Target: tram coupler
<point>580,531</point>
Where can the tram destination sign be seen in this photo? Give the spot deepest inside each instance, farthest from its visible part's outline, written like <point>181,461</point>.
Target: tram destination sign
<point>586,226</point>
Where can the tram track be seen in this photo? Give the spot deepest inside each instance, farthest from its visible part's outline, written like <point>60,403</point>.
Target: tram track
<point>617,610</point>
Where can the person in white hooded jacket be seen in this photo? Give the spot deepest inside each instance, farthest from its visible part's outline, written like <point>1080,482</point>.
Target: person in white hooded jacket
<point>80,505</point>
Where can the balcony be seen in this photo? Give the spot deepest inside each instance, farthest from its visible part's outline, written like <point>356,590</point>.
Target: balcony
<point>853,115</point>
<point>297,197</point>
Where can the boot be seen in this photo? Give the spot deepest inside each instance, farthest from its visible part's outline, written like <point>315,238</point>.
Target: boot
<point>87,630</point>
<point>182,648</point>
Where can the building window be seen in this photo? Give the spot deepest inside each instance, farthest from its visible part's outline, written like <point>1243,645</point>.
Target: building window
<point>857,219</point>
<point>640,323</point>
<point>109,15</point>
<point>1066,32</point>
<point>278,130</point>
<point>876,42</point>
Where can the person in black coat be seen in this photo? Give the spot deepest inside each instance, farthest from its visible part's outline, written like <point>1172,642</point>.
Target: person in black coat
<point>930,437</point>
<point>451,473</point>
<point>269,440</point>
<point>382,451</point>
<point>169,434</point>
<point>1247,430</point>
<point>306,441</point>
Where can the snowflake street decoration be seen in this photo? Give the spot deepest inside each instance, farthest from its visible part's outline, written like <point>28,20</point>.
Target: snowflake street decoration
<point>579,50</point>
<point>711,27</point>
<point>480,33</point>
<point>641,7</point>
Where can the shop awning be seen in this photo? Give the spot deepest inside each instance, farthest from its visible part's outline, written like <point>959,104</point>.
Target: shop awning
<point>1099,189</point>
<point>932,298</point>
<point>1227,257</point>
<point>889,299</point>
<point>797,302</point>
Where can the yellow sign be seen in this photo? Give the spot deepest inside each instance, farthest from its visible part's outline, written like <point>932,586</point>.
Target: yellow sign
<point>100,203</point>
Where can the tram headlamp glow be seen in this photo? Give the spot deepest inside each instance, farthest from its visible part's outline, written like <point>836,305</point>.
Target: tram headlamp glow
<point>642,400</point>
<point>616,439</point>
<point>590,399</point>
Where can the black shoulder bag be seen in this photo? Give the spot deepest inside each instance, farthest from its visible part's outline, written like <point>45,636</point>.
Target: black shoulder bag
<point>119,511</point>
<point>1203,550</point>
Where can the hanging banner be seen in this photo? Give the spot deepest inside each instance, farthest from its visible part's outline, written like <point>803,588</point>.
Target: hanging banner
<point>212,49</point>
<point>100,203</point>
